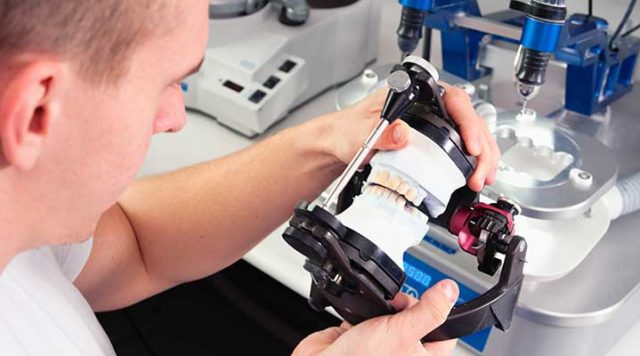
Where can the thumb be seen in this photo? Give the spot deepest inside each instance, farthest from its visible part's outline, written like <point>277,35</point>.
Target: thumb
<point>429,313</point>
<point>395,137</point>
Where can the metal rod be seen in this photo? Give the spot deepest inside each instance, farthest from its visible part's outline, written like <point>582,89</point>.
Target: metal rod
<point>489,26</point>
<point>357,161</point>
<point>426,43</point>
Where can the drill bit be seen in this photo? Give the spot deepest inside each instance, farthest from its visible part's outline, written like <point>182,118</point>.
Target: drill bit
<point>524,106</point>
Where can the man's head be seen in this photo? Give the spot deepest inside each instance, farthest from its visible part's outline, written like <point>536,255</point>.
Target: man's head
<point>98,36</point>
<point>85,83</point>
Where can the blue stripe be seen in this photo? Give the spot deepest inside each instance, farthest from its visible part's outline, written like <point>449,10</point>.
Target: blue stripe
<point>424,5</point>
<point>541,36</point>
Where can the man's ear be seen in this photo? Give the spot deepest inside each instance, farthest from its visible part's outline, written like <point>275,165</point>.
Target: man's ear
<point>29,104</point>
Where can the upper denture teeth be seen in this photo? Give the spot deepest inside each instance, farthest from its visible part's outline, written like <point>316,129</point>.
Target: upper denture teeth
<point>375,177</point>
<point>403,188</point>
<point>419,198</point>
<point>382,177</point>
<point>411,194</point>
<point>393,183</point>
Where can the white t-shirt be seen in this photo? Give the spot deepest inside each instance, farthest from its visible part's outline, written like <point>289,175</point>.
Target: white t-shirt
<point>42,312</point>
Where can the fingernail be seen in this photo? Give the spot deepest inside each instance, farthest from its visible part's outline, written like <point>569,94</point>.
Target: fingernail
<point>450,289</point>
<point>398,135</point>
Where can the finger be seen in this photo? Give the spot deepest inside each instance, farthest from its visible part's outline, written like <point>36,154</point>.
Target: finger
<point>373,103</point>
<point>497,155</point>
<point>461,110</point>
<point>483,169</point>
<point>493,158</point>
<point>318,341</point>
<point>403,301</point>
<point>381,94</point>
<point>395,137</point>
<point>441,347</point>
<point>346,325</point>
<point>426,315</point>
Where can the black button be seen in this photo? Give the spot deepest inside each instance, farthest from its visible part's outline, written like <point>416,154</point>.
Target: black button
<point>287,66</point>
<point>271,82</point>
<point>233,86</point>
<point>257,96</point>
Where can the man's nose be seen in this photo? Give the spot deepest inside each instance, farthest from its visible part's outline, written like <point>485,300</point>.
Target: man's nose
<point>171,114</point>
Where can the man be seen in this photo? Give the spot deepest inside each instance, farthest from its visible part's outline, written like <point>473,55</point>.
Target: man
<point>85,85</point>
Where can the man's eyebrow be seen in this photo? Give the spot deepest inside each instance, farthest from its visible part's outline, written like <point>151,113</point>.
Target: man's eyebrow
<point>195,69</point>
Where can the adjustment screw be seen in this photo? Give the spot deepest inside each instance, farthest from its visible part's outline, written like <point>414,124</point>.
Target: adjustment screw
<point>581,178</point>
<point>399,81</point>
<point>368,73</point>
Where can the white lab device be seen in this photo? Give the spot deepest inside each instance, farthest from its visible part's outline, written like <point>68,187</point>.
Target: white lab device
<point>257,69</point>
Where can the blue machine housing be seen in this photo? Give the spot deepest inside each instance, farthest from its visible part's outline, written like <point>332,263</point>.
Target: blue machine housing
<point>460,46</point>
<point>596,75</point>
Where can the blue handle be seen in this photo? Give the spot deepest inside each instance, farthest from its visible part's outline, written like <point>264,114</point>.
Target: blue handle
<point>540,35</point>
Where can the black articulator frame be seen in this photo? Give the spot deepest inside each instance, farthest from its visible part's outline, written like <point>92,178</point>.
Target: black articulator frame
<point>357,279</point>
<point>349,272</point>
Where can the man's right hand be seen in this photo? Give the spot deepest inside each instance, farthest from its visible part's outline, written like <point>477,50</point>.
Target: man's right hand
<point>397,334</point>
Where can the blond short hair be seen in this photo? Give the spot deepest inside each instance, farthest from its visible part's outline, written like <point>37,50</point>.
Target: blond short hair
<point>96,35</point>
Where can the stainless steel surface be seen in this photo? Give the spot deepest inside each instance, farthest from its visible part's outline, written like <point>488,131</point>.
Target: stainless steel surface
<point>551,172</point>
<point>612,269</point>
<point>489,26</point>
<point>356,162</point>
